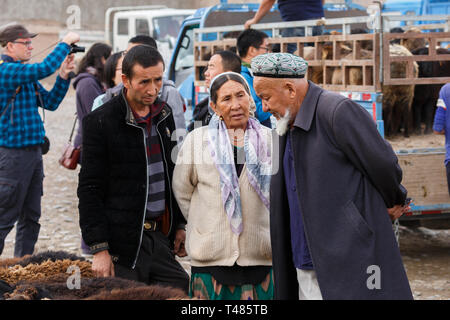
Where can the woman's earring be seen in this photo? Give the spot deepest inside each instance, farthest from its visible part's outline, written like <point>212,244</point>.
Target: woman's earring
<point>221,118</point>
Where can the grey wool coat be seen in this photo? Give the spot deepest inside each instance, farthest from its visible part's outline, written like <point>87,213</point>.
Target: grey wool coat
<point>346,175</point>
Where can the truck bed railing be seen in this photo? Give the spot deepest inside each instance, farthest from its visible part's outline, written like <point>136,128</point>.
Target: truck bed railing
<point>343,24</point>
<point>333,71</point>
<point>425,22</point>
<point>432,38</point>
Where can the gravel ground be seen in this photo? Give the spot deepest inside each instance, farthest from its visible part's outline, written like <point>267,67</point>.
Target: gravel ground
<point>425,252</point>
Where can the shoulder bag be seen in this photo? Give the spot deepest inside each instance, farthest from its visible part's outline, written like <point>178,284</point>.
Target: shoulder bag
<point>71,155</point>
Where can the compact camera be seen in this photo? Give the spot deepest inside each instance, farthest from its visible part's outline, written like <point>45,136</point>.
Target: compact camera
<point>76,49</point>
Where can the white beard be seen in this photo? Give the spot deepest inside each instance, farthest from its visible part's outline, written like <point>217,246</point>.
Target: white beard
<point>283,123</point>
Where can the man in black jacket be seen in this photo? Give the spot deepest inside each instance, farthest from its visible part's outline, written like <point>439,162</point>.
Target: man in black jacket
<point>128,215</point>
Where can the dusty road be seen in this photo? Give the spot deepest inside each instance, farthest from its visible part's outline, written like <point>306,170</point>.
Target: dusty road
<point>426,256</point>
<point>426,253</point>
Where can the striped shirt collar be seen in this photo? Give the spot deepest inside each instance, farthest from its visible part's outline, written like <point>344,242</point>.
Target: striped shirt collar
<point>132,117</point>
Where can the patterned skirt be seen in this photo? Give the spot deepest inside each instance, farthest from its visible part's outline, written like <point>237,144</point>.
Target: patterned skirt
<point>204,286</point>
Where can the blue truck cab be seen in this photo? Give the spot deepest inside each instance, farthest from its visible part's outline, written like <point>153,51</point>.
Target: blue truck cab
<point>417,7</point>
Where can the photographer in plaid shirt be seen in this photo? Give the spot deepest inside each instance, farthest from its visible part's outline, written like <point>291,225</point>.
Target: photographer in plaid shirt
<point>22,131</point>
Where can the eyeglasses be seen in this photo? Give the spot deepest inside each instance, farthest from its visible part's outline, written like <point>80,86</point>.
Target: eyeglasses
<point>26,43</point>
<point>265,48</point>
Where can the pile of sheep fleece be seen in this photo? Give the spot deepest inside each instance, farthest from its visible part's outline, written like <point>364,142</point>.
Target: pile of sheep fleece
<point>47,269</point>
<point>46,276</point>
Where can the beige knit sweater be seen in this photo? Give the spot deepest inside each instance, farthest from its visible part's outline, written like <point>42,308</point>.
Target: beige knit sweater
<point>209,239</point>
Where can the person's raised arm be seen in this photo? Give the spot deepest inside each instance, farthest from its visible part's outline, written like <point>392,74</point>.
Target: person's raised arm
<point>52,99</point>
<point>67,67</point>
<point>13,75</point>
<point>68,64</point>
<point>71,38</point>
<point>265,7</point>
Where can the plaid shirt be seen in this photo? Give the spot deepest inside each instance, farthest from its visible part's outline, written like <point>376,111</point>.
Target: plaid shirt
<point>20,122</point>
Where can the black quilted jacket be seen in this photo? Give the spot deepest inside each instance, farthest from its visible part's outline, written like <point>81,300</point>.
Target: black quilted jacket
<point>113,180</point>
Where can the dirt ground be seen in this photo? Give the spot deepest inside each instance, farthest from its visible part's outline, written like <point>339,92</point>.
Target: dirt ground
<point>426,256</point>
<point>417,141</point>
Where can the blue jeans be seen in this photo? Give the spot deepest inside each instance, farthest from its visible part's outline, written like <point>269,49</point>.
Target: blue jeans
<point>299,32</point>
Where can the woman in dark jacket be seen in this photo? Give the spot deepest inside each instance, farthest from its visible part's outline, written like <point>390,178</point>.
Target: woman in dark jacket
<point>88,85</point>
<point>89,81</point>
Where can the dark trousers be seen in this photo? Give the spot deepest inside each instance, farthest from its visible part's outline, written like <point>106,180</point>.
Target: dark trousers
<point>21,177</point>
<point>156,264</point>
<point>448,176</point>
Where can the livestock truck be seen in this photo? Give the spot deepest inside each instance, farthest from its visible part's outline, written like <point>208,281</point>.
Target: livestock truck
<point>215,28</point>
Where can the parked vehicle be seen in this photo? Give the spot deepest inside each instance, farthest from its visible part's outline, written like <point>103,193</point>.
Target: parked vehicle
<point>159,22</point>
<point>215,28</point>
<point>123,23</point>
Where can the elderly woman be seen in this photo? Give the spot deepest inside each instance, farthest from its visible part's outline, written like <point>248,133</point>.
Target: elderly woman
<point>221,182</point>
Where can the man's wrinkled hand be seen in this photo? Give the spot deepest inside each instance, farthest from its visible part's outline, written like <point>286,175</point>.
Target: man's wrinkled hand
<point>397,211</point>
<point>102,264</point>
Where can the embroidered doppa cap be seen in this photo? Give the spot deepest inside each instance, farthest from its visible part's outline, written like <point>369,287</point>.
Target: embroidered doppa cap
<point>279,65</point>
<point>14,32</point>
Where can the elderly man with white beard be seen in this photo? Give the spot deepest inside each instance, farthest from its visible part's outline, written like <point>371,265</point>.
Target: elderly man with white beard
<point>333,198</point>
